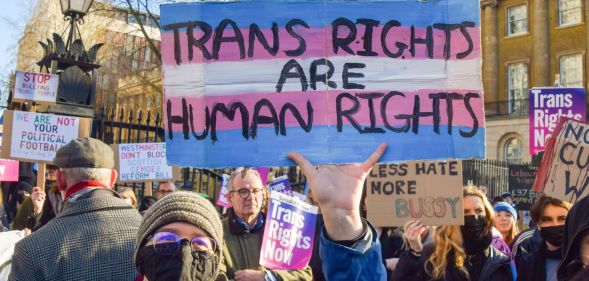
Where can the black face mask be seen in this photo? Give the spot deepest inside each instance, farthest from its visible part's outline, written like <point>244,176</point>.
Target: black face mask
<point>181,266</point>
<point>553,234</point>
<point>474,237</point>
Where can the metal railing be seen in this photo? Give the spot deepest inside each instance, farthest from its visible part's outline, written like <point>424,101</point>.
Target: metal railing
<point>134,126</point>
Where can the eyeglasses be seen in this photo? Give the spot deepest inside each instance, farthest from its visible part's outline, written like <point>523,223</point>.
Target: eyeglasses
<point>168,243</point>
<point>245,192</point>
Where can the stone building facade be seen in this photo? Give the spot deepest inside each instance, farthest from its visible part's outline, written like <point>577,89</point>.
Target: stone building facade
<point>527,43</point>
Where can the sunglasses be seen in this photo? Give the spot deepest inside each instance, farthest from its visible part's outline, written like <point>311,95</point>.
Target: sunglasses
<point>168,243</point>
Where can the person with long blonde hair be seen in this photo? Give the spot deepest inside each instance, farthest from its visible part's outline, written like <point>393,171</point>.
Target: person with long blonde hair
<point>459,253</point>
<point>505,227</point>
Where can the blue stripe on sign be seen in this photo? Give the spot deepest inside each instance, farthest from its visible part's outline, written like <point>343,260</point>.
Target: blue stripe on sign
<point>349,146</point>
<point>322,13</point>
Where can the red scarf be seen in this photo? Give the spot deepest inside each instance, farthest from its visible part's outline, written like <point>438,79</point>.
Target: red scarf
<point>83,185</point>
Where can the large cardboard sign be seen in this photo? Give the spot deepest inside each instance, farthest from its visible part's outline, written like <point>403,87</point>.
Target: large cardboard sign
<point>547,105</point>
<point>289,233</point>
<point>8,170</point>
<point>138,162</point>
<point>564,171</point>
<point>39,87</point>
<point>426,190</point>
<point>30,136</point>
<point>248,81</point>
<point>521,179</point>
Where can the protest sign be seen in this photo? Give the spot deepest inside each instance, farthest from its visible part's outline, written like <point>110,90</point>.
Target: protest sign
<point>263,174</point>
<point>281,184</point>
<point>547,105</point>
<point>425,190</point>
<point>521,179</point>
<point>248,81</point>
<point>30,136</point>
<point>222,199</point>
<point>564,171</point>
<point>138,162</point>
<point>8,170</point>
<point>39,87</point>
<point>288,234</point>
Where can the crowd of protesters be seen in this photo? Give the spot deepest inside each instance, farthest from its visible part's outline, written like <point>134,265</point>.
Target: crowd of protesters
<point>78,228</point>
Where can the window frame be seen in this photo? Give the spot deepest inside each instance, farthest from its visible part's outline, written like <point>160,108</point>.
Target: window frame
<point>508,21</point>
<point>560,12</point>
<point>582,67</point>
<point>509,141</point>
<point>511,108</point>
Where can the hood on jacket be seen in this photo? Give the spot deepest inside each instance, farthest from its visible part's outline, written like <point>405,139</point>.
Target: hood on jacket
<point>576,227</point>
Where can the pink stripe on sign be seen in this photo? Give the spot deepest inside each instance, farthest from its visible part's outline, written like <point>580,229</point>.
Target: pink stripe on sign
<point>396,105</point>
<point>317,47</point>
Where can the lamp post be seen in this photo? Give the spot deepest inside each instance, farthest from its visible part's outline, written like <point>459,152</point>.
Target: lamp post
<point>74,12</point>
<point>74,64</point>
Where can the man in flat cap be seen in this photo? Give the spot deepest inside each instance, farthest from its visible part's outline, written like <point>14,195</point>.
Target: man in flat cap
<point>93,237</point>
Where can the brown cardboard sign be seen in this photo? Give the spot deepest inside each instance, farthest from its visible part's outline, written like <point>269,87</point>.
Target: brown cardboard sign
<point>140,162</point>
<point>564,171</point>
<point>35,137</point>
<point>430,191</point>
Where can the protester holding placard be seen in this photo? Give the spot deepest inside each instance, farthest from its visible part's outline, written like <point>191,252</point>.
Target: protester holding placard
<point>243,232</point>
<point>349,245</point>
<point>459,252</point>
<point>94,234</point>
<point>539,261</point>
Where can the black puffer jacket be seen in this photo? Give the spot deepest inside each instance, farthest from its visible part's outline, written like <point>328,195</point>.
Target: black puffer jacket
<point>497,267</point>
<point>576,227</point>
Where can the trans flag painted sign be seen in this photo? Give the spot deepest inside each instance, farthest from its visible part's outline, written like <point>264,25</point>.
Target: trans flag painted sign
<point>246,82</point>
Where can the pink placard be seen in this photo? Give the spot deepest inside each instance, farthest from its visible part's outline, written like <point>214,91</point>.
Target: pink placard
<point>8,170</point>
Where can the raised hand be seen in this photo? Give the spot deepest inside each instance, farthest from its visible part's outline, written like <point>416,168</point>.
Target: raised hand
<point>412,232</point>
<point>38,198</point>
<point>338,191</point>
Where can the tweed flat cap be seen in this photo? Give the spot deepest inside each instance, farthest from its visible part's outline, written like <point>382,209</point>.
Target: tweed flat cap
<point>180,206</point>
<point>85,153</point>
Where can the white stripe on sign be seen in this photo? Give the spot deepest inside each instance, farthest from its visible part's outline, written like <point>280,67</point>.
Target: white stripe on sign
<point>261,76</point>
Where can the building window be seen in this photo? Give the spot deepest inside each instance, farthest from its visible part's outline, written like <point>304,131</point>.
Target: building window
<point>517,20</point>
<point>569,12</point>
<point>571,70</point>
<point>517,87</point>
<point>513,150</point>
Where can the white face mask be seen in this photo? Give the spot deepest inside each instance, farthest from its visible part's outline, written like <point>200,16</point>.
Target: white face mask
<point>128,200</point>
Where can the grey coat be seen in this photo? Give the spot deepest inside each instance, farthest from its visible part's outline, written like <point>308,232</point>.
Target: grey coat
<point>93,238</point>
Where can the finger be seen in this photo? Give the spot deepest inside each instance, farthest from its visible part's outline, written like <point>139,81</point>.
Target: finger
<point>408,226</point>
<point>37,189</point>
<point>373,159</point>
<point>306,166</point>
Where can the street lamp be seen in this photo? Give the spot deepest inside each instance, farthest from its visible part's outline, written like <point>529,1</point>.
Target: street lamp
<point>74,12</point>
<point>75,7</point>
<point>75,65</point>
